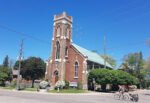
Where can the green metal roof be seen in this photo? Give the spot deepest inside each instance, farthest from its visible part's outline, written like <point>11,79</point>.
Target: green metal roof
<point>91,56</point>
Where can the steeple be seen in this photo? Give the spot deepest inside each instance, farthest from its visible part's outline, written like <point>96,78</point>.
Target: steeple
<point>62,34</point>
<point>63,26</point>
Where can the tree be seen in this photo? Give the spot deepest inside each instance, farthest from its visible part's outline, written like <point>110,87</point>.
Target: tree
<point>101,76</point>
<point>145,74</point>
<point>134,61</point>
<point>6,61</point>
<point>123,78</point>
<point>32,68</point>
<point>3,75</point>
<point>114,77</point>
<point>125,67</point>
<point>147,65</point>
<point>135,66</point>
<point>109,59</point>
<point>6,69</point>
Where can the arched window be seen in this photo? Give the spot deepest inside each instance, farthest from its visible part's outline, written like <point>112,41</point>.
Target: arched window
<point>76,67</point>
<point>56,73</point>
<point>58,31</point>
<point>66,51</point>
<point>57,50</point>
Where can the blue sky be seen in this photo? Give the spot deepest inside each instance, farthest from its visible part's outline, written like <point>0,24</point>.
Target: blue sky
<point>126,24</point>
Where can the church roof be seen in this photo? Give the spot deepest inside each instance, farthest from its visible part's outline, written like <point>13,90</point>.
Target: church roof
<point>91,56</point>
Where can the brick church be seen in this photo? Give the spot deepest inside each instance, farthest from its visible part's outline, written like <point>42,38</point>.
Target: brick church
<point>68,61</point>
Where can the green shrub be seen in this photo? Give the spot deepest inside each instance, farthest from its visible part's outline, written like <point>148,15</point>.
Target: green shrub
<point>66,85</point>
<point>43,84</point>
<point>115,77</point>
<point>79,85</point>
<point>13,83</point>
<point>60,84</point>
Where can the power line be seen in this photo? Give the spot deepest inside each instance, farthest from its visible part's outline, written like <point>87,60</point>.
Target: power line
<point>23,34</point>
<point>46,42</point>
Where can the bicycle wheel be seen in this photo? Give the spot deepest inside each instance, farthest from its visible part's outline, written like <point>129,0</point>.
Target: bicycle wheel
<point>135,97</point>
<point>117,96</point>
<point>125,97</point>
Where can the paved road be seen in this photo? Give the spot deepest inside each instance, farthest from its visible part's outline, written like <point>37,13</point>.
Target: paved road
<point>29,97</point>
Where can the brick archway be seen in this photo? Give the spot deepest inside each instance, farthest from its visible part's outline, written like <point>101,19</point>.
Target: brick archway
<point>56,73</point>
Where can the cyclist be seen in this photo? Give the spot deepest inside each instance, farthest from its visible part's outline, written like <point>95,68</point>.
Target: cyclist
<point>121,90</point>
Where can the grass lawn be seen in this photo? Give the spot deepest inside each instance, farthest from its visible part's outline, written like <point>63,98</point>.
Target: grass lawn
<point>9,88</point>
<point>26,89</point>
<point>30,89</point>
<point>69,91</point>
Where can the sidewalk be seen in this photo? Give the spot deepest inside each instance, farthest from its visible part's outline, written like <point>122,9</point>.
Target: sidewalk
<point>48,93</point>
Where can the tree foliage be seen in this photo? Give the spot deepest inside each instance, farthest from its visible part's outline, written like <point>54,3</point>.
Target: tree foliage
<point>147,65</point>
<point>123,78</point>
<point>6,61</point>
<point>5,71</point>
<point>105,76</point>
<point>135,65</point>
<point>3,74</point>
<point>134,61</point>
<point>109,59</point>
<point>32,68</point>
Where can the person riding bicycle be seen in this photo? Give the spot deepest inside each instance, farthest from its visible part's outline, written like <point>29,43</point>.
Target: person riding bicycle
<point>121,89</point>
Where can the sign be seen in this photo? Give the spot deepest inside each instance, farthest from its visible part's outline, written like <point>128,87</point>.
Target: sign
<point>73,84</point>
<point>15,72</point>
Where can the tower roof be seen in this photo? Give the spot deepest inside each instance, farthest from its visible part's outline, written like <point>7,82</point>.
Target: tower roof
<point>63,16</point>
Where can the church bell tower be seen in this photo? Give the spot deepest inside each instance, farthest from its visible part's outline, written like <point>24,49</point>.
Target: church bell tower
<point>61,40</point>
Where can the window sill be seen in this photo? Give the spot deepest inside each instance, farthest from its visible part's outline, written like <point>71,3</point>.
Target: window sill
<point>76,77</point>
<point>58,36</point>
<point>57,60</point>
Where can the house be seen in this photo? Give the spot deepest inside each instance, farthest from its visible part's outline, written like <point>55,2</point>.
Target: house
<point>68,61</point>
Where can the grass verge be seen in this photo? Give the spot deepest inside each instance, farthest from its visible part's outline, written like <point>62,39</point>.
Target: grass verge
<point>9,88</point>
<point>30,89</point>
<point>69,91</point>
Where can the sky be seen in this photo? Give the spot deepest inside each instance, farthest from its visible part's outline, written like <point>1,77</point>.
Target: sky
<point>126,24</point>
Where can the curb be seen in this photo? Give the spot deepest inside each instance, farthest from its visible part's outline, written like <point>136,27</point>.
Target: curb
<point>46,93</point>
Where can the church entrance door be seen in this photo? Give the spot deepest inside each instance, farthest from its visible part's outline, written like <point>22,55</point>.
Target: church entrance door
<point>56,79</point>
<point>56,76</point>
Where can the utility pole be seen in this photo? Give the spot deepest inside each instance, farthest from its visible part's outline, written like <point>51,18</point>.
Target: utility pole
<point>20,57</point>
<point>105,51</point>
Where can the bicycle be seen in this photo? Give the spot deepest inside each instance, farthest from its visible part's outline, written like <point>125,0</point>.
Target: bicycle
<point>120,96</point>
<point>134,97</point>
<point>126,97</point>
